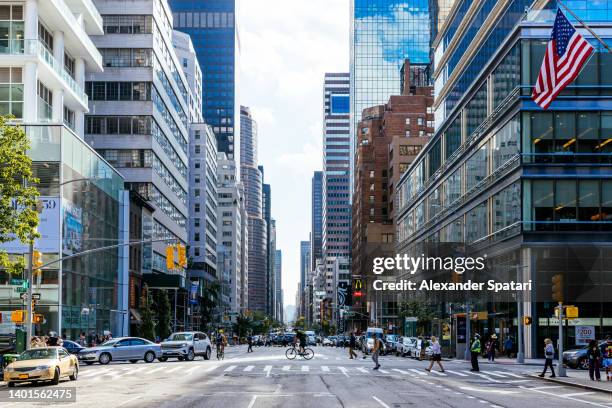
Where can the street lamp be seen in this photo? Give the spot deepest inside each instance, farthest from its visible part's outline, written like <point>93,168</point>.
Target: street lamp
<point>520,355</point>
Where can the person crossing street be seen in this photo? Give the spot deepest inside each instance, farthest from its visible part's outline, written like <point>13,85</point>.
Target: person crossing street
<point>352,345</point>
<point>475,350</point>
<point>376,351</point>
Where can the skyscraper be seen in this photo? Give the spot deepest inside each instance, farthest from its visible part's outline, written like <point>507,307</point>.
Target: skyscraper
<point>336,220</point>
<point>304,263</point>
<point>383,34</point>
<point>212,27</point>
<point>278,296</point>
<point>316,228</point>
<point>252,180</point>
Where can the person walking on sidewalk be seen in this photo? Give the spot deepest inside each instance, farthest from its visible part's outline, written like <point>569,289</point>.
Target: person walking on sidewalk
<point>492,348</point>
<point>508,345</point>
<point>475,350</point>
<point>376,351</point>
<point>436,356</point>
<point>352,345</point>
<point>607,361</point>
<point>594,356</point>
<point>549,353</point>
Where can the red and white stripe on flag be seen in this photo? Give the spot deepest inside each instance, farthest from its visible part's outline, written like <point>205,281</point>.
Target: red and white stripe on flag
<point>558,71</point>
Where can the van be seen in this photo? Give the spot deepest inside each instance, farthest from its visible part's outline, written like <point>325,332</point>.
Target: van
<point>368,344</point>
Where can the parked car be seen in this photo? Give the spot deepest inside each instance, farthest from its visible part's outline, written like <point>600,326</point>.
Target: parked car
<point>131,349</point>
<point>327,342</point>
<point>408,343</point>
<point>311,339</point>
<point>342,341</point>
<point>391,343</point>
<point>42,364</point>
<point>368,342</point>
<point>289,338</point>
<point>333,339</point>
<point>577,358</point>
<point>186,346</point>
<point>72,347</point>
<point>415,350</point>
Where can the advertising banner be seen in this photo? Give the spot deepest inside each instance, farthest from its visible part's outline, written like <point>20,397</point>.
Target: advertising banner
<point>584,334</point>
<point>72,229</point>
<point>48,227</point>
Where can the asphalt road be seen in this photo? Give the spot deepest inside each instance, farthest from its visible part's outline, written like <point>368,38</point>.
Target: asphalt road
<point>265,378</point>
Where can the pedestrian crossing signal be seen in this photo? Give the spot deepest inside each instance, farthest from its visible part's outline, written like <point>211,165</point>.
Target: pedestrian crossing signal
<point>38,319</point>
<point>170,257</point>
<point>527,320</point>
<point>182,255</point>
<point>557,288</point>
<point>18,316</point>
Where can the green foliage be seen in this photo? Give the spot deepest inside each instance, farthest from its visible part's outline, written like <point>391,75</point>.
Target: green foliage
<point>209,301</point>
<point>18,216</point>
<point>243,325</point>
<point>300,323</point>
<point>424,312</point>
<point>147,327</point>
<point>164,317</point>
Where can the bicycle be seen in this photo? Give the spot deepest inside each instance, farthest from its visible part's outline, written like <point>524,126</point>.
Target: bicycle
<point>293,352</point>
<point>220,353</point>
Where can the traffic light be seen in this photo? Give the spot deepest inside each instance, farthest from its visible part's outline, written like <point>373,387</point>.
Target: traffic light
<point>170,257</point>
<point>38,319</point>
<point>182,255</point>
<point>557,288</point>
<point>36,262</point>
<point>527,320</point>
<point>18,316</point>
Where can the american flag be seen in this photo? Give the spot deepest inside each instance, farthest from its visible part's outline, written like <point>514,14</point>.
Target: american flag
<point>566,53</point>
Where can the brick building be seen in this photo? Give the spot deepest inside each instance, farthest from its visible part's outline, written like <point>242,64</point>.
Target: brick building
<point>389,138</point>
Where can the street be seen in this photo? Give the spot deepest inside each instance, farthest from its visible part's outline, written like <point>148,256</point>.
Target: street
<point>265,378</point>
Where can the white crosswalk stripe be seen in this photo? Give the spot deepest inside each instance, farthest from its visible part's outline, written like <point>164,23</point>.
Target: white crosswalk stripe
<point>401,371</point>
<point>414,370</point>
<point>383,371</point>
<point>325,368</point>
<point>510,374</point>
<point>174,369</point>
<point>230,368</point>
<point>249,368</point>
<point>495,374</point>
<point>438,373</point>
<point>457,373</point>
<point>305,368</point>
<point>286,368</point>
<point>362,369</point>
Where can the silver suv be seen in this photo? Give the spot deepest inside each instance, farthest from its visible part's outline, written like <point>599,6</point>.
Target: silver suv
<point>186,346</point>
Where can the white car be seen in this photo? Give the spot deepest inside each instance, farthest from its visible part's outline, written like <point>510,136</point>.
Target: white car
<point>408,343</point>
<point>186,346</point>
<point>327,342</point>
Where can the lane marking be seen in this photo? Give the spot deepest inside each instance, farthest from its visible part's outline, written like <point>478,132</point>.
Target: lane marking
<point>547,387</point>
<point>211,368</point>
<point>481,375</point>
<point>438,373</point>
<point>155,370</point>
<point>252,403</point>
<point>380,402</point>
<point>362,369</point>
<point>344,371</point>
<point>575,394</point>
<point>324,368</point>
<point>457,373</point>
<point>89,373</point>
<point>286,368</point>
<point>383,371</point>
<point>563,397</point>
<point>401,371</point>
<point>248,368</point>
<point>230,368</point>
<point>510,374</point>
<point>414,370</point>
<point>128,401</point>
<point>174,369</point>
<point>267,369</point>
<point>192,369</point>
<point>305,368</point>
<point>495,374</point>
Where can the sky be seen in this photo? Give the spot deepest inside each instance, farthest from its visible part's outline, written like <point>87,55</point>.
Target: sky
<point>287,46</point>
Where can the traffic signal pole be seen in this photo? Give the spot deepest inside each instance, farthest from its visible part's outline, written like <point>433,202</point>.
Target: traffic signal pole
<point>560,367</point>
<point>29,315</point>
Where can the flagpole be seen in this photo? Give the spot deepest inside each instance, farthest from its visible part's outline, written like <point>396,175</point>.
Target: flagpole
<point>585,26</point>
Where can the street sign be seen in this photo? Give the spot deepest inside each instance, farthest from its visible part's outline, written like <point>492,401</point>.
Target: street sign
<point>21,290</point>
<point>23,296</point>
<point>35,296</point>
<point>17,282</point>
<point>25,284</point>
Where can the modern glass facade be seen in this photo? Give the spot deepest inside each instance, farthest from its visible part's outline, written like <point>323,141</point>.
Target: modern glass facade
<point>383,34</point>
<point>212,27</point>
<point>528,188</point>
<point>316,230</point>
<point>82,197</point>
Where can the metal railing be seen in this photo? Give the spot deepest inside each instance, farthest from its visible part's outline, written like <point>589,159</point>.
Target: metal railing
<point>35,47</point>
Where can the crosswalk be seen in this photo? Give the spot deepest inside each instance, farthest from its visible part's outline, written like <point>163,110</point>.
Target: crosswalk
<point>182,370</point>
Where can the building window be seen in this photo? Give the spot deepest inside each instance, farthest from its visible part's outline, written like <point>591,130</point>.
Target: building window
<point>371,173</point>
<point>45,102</point>
<point>127,24</point>
<point>45,37</point>
<point>196,237</point>
<point>11,92</point>
<point>196,222</point>
<point>68,118</point>
<point>197,149</point>
<point>196,207</point>
<point>407,121</point>
<point>126,57</point>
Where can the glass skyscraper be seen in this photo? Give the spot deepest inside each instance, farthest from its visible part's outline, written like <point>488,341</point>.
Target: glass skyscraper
<point>383,34</point>
<point>212,27</point>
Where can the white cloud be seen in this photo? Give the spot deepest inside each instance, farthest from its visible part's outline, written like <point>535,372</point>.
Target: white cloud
<point>287,46</point>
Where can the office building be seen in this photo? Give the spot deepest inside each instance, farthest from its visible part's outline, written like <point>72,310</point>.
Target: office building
<point>139,121</point>
<point>185,52</point>
<point>266,202</point>
<point>383,33</point>
<point>231,234</point>
<point>211,24</point>
<point>503,178</point>
<point>45,50</point>
<point>316,225</point>
<point>389,138</point>
<point>336,209</point>
<point>252,179</point>
<point>278,291</point>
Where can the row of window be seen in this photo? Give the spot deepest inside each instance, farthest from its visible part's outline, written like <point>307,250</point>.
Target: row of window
<point>204,20</point>
<point>127,24</point>
<point>118,91</point>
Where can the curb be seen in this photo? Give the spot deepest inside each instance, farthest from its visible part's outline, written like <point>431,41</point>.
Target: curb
<point>572,384</point>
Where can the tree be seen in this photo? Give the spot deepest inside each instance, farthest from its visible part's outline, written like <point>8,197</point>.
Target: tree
<point>147,327</point>
<point>163,329</point>
<point>242,326</point>
<point>424,312</point>
<point>18,216</point>
<point>209,301</point>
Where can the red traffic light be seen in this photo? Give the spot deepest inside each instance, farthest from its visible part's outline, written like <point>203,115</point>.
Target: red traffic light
<point>357,294</point>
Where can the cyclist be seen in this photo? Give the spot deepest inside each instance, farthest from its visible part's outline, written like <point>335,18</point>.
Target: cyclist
<point>302,342</point>
<point>220,342</point>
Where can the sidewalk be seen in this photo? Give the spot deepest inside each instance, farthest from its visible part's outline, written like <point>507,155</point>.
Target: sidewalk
<point>575,378</point>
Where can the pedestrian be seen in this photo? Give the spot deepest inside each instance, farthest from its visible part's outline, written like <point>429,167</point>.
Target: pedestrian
<point>607,358</point>
<point>376,351</point>
<point>82,340</point>
<point>475,350</point>
<point>492,348</point>
<point>549,353</point>
<point>352,345</point>
<point>508,345</point>
<point>594,357</point>
<point>436,356</point>
<point>250,343</point>
<point>54,340</point>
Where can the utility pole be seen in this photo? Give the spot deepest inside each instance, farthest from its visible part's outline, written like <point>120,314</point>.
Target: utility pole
<point>467,355</point>
<point>560,367</point>
<point>29,316</point>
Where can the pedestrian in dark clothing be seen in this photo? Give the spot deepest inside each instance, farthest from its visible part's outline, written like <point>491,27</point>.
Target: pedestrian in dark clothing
<point>250,342</point>
<point>594,356</point>
<point>549,353</point>
<point>492,348</point>
<point>352,345</point>
<point>508,345</point>
<point>475,350</point>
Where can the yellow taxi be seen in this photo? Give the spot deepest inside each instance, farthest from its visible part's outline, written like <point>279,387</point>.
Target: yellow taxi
<point>42,364</point>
